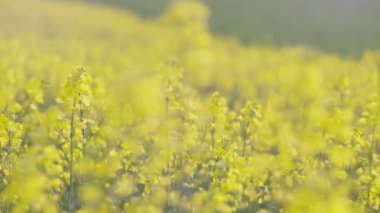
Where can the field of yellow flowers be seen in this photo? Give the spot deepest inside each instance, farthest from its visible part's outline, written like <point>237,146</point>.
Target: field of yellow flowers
<point>101,111</point>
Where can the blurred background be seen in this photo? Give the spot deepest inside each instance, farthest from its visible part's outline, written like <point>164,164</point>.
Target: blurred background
<point>346,27</point>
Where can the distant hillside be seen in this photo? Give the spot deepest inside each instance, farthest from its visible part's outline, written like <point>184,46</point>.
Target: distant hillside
<point>344,26</point>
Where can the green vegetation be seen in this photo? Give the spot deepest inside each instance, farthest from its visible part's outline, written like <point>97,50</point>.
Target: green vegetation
<point>347,27</point>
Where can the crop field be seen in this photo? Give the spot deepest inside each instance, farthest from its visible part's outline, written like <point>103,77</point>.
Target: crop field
<point>102,111</point>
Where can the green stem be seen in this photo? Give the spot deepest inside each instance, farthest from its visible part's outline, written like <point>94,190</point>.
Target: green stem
<point>72,135</point>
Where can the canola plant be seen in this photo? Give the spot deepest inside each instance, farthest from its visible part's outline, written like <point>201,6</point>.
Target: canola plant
<point>101,111</point>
